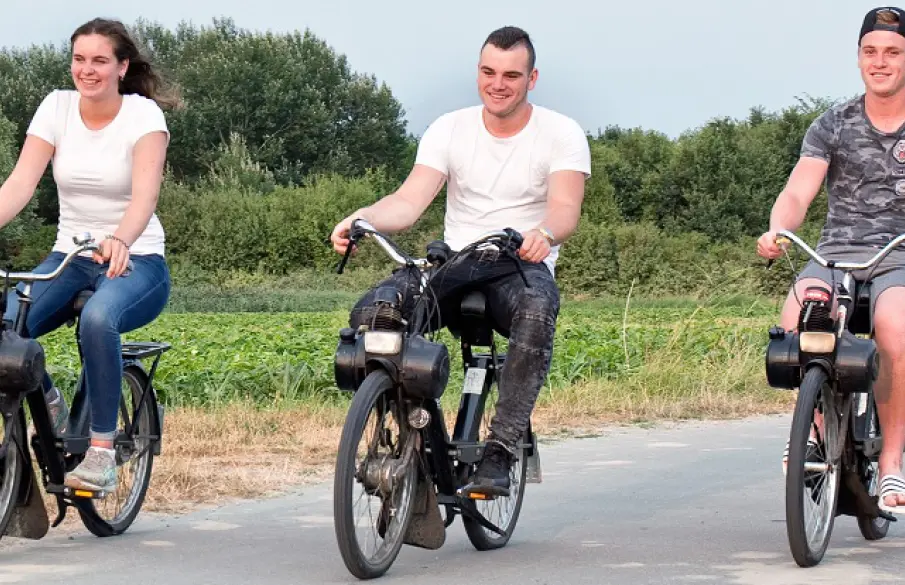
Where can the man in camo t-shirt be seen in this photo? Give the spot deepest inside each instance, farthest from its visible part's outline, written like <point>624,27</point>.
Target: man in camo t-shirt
<point>858,148</point>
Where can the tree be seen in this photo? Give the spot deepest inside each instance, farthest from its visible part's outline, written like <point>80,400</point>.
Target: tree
<point>21,230</point>
<point>294,100</point>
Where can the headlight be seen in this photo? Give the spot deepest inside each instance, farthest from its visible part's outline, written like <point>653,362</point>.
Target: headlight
<point>383,342</point>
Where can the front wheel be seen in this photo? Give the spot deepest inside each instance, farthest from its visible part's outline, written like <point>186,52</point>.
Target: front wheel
<point>812,481</point>
<point>10,466</point>
<point>376,476</point>
<point>115,512</point>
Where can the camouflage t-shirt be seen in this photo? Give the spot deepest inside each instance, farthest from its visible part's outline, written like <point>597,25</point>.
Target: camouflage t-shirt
<point>865,181</point>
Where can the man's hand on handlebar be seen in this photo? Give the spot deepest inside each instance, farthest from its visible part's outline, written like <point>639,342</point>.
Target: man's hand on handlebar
<point>340,236</point>
<point>771,246</point>
<point>535,247</point>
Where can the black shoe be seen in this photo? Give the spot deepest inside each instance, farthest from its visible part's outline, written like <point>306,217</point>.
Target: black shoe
<point>491,478</point>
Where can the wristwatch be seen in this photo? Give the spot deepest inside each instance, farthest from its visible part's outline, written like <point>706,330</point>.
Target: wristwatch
<point>547,234</point>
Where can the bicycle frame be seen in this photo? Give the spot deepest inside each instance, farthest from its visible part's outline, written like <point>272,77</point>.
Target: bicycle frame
<point>55,456</point>
<point>851,361</point>
<point>444,457</point>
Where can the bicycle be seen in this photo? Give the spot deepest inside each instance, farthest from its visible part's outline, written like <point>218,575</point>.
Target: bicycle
<point>835,437</point>
<point>137,441</point>
<point>412,465</point>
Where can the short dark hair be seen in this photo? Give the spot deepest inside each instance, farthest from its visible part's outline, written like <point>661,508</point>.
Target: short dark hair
<point>511,36</point>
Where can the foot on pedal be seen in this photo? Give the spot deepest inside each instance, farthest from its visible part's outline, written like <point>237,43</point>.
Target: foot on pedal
<point>491,478</point>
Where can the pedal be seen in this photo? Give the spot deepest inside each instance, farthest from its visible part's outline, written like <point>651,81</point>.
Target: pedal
<point>533,472</point>
<point>482,492</point>
<point>67,491</point>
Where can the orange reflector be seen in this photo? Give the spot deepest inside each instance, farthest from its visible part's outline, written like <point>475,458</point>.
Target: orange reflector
<point>477,496</point>
<point>83,493</point>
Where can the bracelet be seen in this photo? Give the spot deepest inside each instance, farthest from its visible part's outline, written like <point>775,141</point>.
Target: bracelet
<point>120,240</point>
<point>547,234</point>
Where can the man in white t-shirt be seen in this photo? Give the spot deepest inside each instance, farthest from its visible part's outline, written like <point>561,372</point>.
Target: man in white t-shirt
<point>507,164</point>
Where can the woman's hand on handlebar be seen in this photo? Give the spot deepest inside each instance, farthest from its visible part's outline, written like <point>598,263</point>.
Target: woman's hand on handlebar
<point>114,251</point>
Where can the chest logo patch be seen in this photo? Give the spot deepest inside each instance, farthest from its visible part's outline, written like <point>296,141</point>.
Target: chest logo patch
<point>898,152</point>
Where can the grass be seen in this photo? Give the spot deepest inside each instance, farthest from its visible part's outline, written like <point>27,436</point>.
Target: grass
<point>253,410</point>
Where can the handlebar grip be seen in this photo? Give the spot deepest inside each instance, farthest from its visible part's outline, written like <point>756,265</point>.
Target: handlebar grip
<point>515,238</point>
<point>438,252</point>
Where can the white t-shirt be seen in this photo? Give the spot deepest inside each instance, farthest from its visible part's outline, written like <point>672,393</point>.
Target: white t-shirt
<point>93,168</point>
<point>495,183</point>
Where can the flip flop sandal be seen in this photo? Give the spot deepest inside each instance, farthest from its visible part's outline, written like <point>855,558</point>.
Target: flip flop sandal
<point>891,485</point>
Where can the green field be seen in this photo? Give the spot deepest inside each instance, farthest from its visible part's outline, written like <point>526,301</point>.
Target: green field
<point>605,356</point>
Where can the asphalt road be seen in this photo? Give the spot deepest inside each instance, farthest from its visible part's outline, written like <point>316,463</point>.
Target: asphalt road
<point>686,503</point>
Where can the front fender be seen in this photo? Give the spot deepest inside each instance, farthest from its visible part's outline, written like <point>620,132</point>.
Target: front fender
<point>29,518</point>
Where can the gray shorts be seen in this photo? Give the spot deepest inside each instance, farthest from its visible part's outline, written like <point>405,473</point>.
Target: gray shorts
<point>887,274</point>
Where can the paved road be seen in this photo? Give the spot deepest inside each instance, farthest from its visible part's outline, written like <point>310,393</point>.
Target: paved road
<point>688,503</point>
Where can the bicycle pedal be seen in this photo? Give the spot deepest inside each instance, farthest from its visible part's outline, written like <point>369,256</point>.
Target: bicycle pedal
<point>75,493</point>
<point>479,492</point>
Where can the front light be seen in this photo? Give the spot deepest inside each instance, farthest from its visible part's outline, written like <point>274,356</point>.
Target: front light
<point>383,342</point>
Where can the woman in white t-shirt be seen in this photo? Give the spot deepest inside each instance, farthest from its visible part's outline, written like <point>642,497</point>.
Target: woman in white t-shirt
<point>108,142</point>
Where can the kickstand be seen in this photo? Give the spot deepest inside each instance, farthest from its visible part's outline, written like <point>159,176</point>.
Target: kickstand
<point>62,507</point>
<point>887,516</point>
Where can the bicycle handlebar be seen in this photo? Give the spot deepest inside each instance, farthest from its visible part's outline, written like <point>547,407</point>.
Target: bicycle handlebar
<point>361,228</point>
<point>791,237</point>
<point>84,243</point>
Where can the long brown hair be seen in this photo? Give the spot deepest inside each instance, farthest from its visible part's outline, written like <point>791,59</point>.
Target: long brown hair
<point>140,77</point>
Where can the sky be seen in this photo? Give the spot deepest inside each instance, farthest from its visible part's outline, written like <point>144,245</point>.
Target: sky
<point>663,65</point>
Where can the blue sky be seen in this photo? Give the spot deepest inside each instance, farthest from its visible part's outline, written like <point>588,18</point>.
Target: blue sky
<point>661,65</point>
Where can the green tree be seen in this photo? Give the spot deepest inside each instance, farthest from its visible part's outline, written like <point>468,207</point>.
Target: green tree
<point>294,100</point>
<point>15,236</point>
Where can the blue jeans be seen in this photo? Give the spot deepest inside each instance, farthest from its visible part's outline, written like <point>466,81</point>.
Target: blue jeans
<point>118,305</point>
<point>526,316</point>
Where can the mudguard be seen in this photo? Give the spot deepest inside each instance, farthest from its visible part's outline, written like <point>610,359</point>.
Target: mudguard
<point>29,518</point>
<point>426,529</point>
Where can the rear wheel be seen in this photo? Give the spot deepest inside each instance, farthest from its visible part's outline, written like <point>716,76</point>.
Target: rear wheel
<point>10,466</point>
<point>502,512</point>
<point>869,472</point>
<point>115,512</point>
<point>376,476</point>
<point>812,481</point>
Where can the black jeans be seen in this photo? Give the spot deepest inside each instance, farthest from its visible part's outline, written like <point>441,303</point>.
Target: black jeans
<point>526,315</point>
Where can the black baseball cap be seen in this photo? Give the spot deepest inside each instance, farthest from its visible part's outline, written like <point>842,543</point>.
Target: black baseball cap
<point>871,22</point>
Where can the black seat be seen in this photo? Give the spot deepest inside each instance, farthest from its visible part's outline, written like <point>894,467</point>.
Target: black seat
<point>474,325</point>
<point>79,303</point>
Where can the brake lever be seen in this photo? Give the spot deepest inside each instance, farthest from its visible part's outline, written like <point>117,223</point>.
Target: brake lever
<point>355,234</point>
<point>511,249</point>
<point>342,263</point>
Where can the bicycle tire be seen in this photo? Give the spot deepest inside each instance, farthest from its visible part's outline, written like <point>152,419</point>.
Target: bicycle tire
<point>483,539</point>
<point>11,471</point>
<point>871,528</point>
<point>375,385</point>
<point>807,550</point>
<point>135,378</point>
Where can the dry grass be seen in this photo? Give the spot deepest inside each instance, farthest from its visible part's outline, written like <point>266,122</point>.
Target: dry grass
<point>243,451</point>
